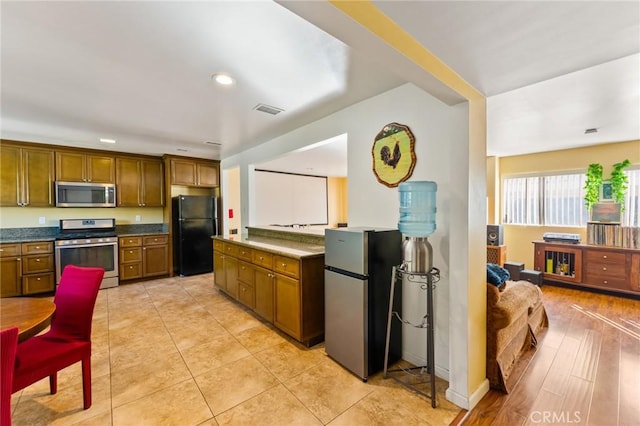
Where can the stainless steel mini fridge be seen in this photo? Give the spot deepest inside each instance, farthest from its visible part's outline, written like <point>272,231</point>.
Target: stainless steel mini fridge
<point>358,267</point>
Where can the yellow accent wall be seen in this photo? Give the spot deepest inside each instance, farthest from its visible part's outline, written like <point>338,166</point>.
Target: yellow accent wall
<point>27,217</point>
<point>337,197</point>
<point>518,238</point>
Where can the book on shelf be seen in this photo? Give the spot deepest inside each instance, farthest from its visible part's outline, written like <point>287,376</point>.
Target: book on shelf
<point>613,234</point>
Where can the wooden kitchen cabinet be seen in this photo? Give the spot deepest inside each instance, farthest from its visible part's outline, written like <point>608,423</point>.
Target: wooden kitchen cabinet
<point>246,294</point>
<point>37,268</point>
<point>143,256</point>
<point>600,267</point>
<point>287,305</point>
<point>139,182</point>
<point>231,276</point>
<point>27,268</point>
<point>77,166</point>
<point>155,255</point>
<point>263,282</point>
<point>10,270</point>
<point>189,172</point>
<point>26,176</point>
<point>286,291</point>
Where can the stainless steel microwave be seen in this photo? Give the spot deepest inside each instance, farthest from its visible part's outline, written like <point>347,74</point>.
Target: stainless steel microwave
<point>81,194</point>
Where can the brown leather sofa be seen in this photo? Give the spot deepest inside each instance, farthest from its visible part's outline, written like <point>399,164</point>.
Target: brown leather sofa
<point>515,318</point>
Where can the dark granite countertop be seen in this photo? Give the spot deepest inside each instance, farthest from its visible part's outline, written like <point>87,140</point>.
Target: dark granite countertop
<point>279,246</point>
<point>49,233</point>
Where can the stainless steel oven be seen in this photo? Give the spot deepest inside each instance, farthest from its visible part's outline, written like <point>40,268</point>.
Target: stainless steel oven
<point>88,242</point>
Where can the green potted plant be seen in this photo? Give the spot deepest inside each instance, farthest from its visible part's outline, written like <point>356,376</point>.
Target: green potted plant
<point>592,185</point>
<point>619,182</point>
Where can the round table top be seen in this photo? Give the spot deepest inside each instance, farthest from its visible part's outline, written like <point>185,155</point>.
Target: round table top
<point>30,315</point>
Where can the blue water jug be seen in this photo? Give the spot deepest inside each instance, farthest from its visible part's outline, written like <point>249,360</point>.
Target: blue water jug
<point>417,208</point>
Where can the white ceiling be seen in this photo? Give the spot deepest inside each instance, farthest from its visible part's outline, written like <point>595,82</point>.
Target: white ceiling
<point>139,72</point>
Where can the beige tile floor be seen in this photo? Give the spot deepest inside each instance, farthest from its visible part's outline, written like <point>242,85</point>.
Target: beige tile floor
<point>176,352</point>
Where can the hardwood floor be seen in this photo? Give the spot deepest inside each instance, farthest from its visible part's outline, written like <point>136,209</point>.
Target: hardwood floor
<point>585,371</point>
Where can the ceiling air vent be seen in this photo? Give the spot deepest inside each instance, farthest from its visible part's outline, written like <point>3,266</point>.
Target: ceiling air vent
<point>268,109</point>
<point>592,130</point>
<point>213,143</point>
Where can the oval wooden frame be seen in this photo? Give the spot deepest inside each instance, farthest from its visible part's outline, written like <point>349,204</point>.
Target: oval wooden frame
<point>386,131</point>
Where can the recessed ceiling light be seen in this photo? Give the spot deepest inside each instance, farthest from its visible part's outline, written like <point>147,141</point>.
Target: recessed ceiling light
<point>103,140</point>
<point>223,79</point>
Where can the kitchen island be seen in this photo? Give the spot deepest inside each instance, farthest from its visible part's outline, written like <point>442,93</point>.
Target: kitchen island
<point>279,279</point>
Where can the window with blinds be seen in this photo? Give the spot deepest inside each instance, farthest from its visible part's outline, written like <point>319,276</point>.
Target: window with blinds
<point>631,214</point>
<point>558,200</point>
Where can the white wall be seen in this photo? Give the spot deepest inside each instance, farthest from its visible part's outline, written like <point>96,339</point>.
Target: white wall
<point>438,129</point>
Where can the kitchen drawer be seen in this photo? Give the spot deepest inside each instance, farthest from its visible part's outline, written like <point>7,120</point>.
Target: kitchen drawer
<point>601,256</point>
<point>130,270</point>
<point>231,249</point>
<point>218,246</point>
<point>246,295</point>
<point>244,253</point>
<point>287,266</point>
<point>606,270</point>
<point>245,273</point>
<point>39,283</point>
<point>155,240</point>
<point>37,264</point>
<point>130,255</point>
<point>37,247</point>
<point>10,250</point>
<point>262,258</point>
<point>130,241</point>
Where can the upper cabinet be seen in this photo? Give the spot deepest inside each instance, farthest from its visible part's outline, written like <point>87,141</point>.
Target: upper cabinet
<point>74,166</point>
<point>26,176</point>
<point>191,172</point>
<point>139,182</point>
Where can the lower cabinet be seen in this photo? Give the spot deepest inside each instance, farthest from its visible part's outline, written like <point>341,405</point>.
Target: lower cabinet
<point>285,291</point>
<point>143,256</point>
<point>26,268</point>
<point>592,266</point>
<point>263,282</point>
<point>287,312</point>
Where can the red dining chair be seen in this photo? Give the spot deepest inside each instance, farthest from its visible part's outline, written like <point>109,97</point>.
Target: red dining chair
<point>69,339</point>
<point>8,344</point>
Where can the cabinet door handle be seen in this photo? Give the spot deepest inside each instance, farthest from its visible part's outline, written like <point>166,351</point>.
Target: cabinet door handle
<point>604,257</point>
<point>284,265</point>
<point>37,260</point>
<point>37,247</point>
<point>38,279</point>
<point>130,251</point>
<point>606,282</point>
<point>604,269</point>
<point>261,258</point>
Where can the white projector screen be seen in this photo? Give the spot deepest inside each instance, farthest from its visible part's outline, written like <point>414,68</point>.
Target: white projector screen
<point>290,199</point>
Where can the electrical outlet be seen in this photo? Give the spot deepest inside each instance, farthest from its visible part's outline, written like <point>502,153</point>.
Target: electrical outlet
<point>41,220</point>
<point>137,218</point>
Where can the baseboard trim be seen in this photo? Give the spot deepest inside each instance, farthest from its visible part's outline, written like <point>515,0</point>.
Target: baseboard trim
<point>472,400</point>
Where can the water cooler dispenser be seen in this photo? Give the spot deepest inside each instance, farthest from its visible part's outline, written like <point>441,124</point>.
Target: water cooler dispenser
<point>417,221</point>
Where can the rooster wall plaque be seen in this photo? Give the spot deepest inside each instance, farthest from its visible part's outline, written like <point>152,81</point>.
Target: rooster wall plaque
<point>393,154</point>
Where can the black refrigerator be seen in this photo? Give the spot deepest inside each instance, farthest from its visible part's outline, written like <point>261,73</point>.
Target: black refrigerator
<point>195,220</point>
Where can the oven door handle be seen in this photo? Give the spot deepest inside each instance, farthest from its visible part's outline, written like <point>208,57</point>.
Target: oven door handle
<point>85,245</point>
